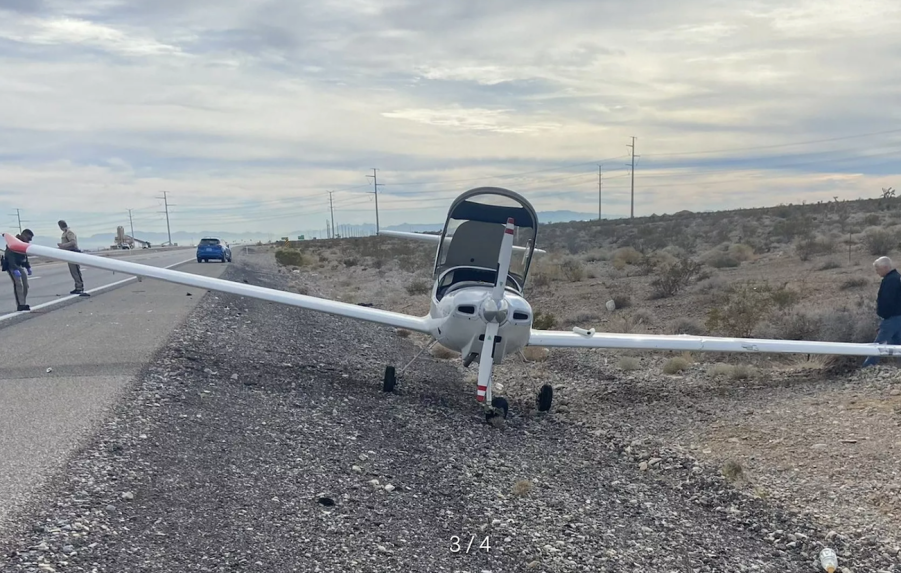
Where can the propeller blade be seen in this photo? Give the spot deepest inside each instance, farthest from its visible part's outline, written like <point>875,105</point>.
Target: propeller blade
<point>503,264</point>
<point>486,363</point>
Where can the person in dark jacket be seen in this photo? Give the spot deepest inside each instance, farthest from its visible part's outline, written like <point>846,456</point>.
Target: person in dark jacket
<point>888,306</point>
<point>18,268</point>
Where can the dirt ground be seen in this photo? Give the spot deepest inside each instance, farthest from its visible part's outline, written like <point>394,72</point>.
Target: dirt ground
<point>809,433</point>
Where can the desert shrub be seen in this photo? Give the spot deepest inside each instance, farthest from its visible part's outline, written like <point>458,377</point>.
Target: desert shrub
<point>872,219</point>
<point>351,262</point>
<point>626,256</point>
<point>290,258</point>
<point>643,316</point>
<point>847,324</point>
<point>743,372</point>
<point>622,300</point>
<point>741,252</point>
<point>811,247</point>
<point>674,277</point>
<point>572,269</point>
<point>688,326</point>
<point>629,363</point>
<point>854,282</point>
<point>798,326</point>
<point>542,321</point>
<point>721,370</point>
<point>829,265</point>
<point>784,297</point>
<point>711,284</point>
<point>675,365</point>
<point>418,287</point>
<point>740,308</point>
<point>722,261</point>
<point>878,241</point>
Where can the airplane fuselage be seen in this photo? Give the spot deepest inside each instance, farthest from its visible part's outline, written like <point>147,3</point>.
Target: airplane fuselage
<point>460,319</point>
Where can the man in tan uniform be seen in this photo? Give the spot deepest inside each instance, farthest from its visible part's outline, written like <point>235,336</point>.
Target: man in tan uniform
<point>69,242</point>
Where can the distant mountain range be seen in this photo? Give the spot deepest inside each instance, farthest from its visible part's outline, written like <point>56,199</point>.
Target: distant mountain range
<point>105,240</point>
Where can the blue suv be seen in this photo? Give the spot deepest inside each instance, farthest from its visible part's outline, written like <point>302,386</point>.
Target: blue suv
<point>213,249</point>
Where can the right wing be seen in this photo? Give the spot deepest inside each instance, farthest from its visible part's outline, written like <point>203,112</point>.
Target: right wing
<point>611,340</point>
<point>396,319</point>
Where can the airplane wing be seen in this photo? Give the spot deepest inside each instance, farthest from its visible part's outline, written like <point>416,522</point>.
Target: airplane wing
<point>588,339</point>
<point>435,239</point>
<point>398,320</point>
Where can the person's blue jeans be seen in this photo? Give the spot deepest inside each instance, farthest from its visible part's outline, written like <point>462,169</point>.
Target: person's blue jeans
<point>889,333</point>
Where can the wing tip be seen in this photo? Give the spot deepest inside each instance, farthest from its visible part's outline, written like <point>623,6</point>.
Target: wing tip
<point>14,243</point>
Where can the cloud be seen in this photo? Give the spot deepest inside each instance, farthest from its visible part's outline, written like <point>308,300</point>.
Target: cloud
<point>105,103</point>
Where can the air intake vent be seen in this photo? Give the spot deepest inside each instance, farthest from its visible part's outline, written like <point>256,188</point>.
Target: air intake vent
<point>520,316</point>
<point>466,309</point>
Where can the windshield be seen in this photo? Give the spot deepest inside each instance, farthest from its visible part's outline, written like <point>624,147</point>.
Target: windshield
<point>475,230</point>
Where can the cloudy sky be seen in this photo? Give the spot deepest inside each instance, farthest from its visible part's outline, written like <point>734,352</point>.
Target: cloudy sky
<point>248,113</point>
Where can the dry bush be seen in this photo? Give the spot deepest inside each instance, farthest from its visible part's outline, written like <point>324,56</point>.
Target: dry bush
<point>290,258</point>
<point>829,265</point>
<point>596,255</point>
<point>711,285</point>
<point>628,363</point>
<point>622,300</point>
<point>854,282</point>
<point>675,365</point>
<point>403,333</point>
<point>522,488</point>
<point>743,372</point>
<point>443,353</point>
<point>418,287</point>
<point>536,353</point>
<point>573,270</point>
<point>878,241</point>
<point>543,321</point>
<point>721,260</point>
<point>741,252</point>
<point>626,256</point>
<point>688,326</point>
<point>733,472</point>
<point>673,278</point>
<point>811,247</point>
<point>721,370</point>
<point>740,308</point>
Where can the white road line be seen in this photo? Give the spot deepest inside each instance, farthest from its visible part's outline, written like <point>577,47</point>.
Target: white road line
<point>92,291</point>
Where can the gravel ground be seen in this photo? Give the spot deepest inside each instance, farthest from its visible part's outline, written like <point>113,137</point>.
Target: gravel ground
<point>259,440</point>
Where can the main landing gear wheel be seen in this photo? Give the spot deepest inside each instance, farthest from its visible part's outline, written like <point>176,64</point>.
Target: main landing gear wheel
<point>497,413</point>
<point>545,397</point>
<point>390,379</point>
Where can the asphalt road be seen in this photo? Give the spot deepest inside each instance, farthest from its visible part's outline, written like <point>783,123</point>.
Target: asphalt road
<point>52,281</point>
<point>95,349</point>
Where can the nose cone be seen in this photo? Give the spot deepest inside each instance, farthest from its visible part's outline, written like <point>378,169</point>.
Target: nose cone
<point>494,312</point>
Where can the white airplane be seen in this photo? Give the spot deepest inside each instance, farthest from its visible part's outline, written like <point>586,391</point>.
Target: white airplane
<point>478,306</point>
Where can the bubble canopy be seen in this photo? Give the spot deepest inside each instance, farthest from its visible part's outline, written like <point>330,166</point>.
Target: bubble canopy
<point>472,236</point>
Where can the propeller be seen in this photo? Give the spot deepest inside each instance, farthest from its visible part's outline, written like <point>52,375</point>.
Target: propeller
<point>494,311</point>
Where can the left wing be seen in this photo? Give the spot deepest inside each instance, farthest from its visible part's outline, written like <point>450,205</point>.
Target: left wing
<point>396,319</point>
<point>579,338</point>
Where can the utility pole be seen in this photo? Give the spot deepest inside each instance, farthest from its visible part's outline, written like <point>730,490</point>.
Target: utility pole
<point>599,192</point>
<point>132,222</point>
<point>19,218</point>
<point>632,216</point>
<point>165,199</point>
<point>375,184</point>
<point>332,209</point>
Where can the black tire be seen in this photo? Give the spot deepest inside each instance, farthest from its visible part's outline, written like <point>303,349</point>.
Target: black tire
<point>390,380</point>
<point>500,404</point>
<point>545,397</point>
<point>198,260</point>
